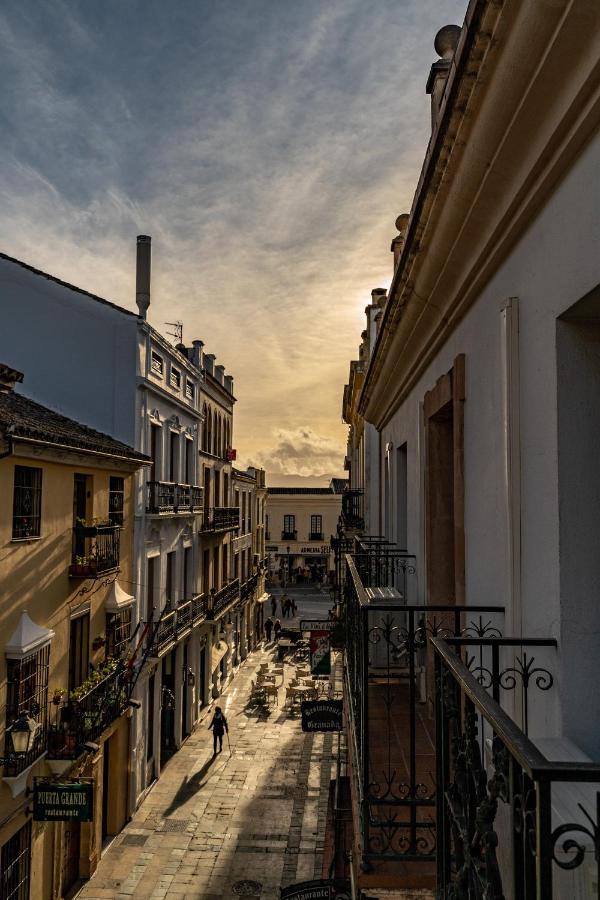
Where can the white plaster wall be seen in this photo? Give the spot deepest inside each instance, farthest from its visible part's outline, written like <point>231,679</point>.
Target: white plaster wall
<point>553,266</point>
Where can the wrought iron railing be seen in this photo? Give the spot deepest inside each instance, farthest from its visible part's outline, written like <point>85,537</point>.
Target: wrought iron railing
<point>315,536</point>
<point>222,518</point>
<point>166,632</point>
<point>96,550</point>
<point>499,797</point>
<point>83,719</point>
<point>166,497</point>
<point>223,598</point>
<point>388,687</point>
<point>289,535</point>
<point>199,607</point>
<point>248,587</point>
<point>184,616</point>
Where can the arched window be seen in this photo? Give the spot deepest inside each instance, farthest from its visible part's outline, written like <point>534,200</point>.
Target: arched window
<point>218,442</point>
<point>209,420</point>
<point>227,436</point>
<point>205,427</point>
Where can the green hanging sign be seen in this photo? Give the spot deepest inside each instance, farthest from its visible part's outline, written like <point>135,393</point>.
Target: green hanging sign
<point>63,801</point>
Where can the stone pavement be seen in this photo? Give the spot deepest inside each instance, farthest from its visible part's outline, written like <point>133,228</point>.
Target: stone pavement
<point>239,824</point>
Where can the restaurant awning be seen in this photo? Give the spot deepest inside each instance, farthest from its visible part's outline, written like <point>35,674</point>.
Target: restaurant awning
<point>218,652</point>
<point>117,598</point>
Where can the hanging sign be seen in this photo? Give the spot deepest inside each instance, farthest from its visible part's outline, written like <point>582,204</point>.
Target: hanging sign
<point>317,625</point>
<point>322,715</point>
<point>322,889</point>
<point>54,801</point>
<point>320,653</point>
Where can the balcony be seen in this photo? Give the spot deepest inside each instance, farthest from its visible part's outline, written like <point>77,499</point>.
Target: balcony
<point>171,498</point>
<point>221,600</point>
<point>352,510</point>
<point>222,518</point>
<point>248,587</point>
<point>86,715</point>
<point>289,535</point>
<point>96,550</point>
<point>176,621</point>
<point>315,536</point>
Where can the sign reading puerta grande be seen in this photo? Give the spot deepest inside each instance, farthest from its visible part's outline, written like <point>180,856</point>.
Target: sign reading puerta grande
<point>61,802</point>
<point>322,715</point>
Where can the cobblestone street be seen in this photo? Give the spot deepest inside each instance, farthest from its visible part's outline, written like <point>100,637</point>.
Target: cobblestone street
<point>213,825</point>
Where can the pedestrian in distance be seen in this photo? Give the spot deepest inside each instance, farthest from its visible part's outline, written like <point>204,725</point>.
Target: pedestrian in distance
<point>277,628</point>
<point>274,605</point>
<point>268,629</point>
<point>294,608</point>
<point>219,727</point>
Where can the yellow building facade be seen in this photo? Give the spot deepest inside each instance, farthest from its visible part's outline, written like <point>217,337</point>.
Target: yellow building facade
<point>66,653</point>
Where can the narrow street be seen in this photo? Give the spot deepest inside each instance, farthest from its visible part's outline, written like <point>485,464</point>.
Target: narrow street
<point>242,823</point>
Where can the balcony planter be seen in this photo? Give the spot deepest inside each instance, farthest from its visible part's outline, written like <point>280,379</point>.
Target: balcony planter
<point>83,569</point>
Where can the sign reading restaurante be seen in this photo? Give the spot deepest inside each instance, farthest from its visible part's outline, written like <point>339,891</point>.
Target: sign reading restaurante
<point>61,802</point>
<point>322,715</point>
<point>322,889</point>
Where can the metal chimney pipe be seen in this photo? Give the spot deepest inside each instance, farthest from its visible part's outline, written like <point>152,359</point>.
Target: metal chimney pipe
<point>142,273</point>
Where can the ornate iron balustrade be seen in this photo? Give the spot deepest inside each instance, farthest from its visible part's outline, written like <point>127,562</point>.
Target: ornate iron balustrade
<point>169,497</point>
<point>315,536</point>
<point>248,587</point>
<point>199,607</point>
<point>289,535</point>
<point>352,509</point>
<point>84,719</point>
<point>498,834</point>
<point>97,551</point>
<point>166,631</point>
<point>388,683</point>
<point>222,599</point>
<point>222,518</point>
<point>184,616</point>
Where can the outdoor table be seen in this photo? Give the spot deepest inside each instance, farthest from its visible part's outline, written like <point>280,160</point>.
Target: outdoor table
<point>264,678</point>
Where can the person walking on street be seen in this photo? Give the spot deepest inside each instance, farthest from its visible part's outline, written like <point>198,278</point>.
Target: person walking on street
<point>268,629</point>
<point>219,727</point>
<point>277,628</point>
<point>294,608</point>
<point>274,605</point>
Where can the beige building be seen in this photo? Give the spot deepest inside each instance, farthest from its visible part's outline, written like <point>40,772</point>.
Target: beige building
<point>299,525</point>
<point>249,559</point>
<point>66,672</point>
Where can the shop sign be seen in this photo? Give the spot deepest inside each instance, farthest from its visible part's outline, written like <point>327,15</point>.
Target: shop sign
<point>322,889</point>
<point>322,715</point>
<point>318,551</point>
<point>63,801</point>
<point>320,653</point>
<point>317,625</point>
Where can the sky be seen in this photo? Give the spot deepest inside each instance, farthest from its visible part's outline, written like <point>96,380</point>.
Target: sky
<point>266,145</point>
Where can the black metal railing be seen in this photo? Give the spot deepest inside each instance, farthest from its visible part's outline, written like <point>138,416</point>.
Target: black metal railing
<point>221,518</point>
<point>165,497</point>
<point>96,550</point>
<point>289,535</point>
<point>499,798</point>
<point>222,599</point>
<point>200,605</point>
<point>315,535</point>
<point>184,616</point>
<point>388,687</point>
<point>83,718</point>
<point>352,509</point>
<point>248,587</point>
<point>166,631</point>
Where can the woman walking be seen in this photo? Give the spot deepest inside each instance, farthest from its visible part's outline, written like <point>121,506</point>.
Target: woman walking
<point>219,726</point>
<point>277,629</point>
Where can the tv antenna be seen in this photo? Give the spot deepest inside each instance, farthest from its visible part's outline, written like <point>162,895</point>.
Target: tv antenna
<point>177,333</point>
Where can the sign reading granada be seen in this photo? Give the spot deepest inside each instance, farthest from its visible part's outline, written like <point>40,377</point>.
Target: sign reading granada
<point>316,890</point>
<point>53,801</point>
<point>322,715</point>
<point>316,625</point>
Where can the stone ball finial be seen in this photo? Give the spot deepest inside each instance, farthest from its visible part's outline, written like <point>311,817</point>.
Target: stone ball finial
<point>402,222</point>
<point>446,41</point>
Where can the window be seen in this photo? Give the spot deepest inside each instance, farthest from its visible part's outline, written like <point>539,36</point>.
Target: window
<point>215,577</point>
<point>15,858</point>
<point>118,632</point>
<point>27,502</point>
<point>157,365</point>
<point>79,650</point>
<point>150,720</point>
<point>316,527</point>
<point>190,474</point>
<point>27,693</point>
<point>189,389</point>
<point>170,582</point>
<point>187,572</point>
<point>175,378</point>
<point>116,495</point>
<point>174,457</point>
<point>150,588</point>
<point>154,451</point>
<point>289,524</point>
<point>206,571</point>
<point>225,565</point>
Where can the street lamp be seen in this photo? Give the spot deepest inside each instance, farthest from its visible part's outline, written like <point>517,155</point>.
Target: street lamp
<point>289,566</point>
<point>22,734</point>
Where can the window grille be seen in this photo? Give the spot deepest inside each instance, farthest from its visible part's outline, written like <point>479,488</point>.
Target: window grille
<point>27,694</point>
<point>27,502</point>
<point>15,865</point>
<point>156,363</point>
<point>189,389</point>
<point>175,377</point>
<point>316,524</point>
<point>118,632</point>
<point>289,524</point>
<point>116,496</point>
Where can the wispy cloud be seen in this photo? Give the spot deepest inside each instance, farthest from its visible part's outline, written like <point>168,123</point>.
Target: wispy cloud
<point>266,146</point>
<point>300,452</point>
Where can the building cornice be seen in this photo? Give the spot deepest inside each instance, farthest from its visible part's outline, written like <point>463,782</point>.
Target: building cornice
<point>522,99</point>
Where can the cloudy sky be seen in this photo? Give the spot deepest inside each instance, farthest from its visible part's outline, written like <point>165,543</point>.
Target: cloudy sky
<point>266,145</point>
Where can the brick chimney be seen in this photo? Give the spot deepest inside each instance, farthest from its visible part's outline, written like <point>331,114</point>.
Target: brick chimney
<point>220,374</point>
<point>209,363</point>
<point>9,378</point>
<point>142,273</point>
<point>446,42</point>
<point>228,384</point>
<point>195,354</point>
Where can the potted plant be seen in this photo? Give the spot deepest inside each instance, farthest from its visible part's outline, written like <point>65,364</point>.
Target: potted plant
<point>57,695</point>
<point>99,642</point>
<point>88,528</point>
